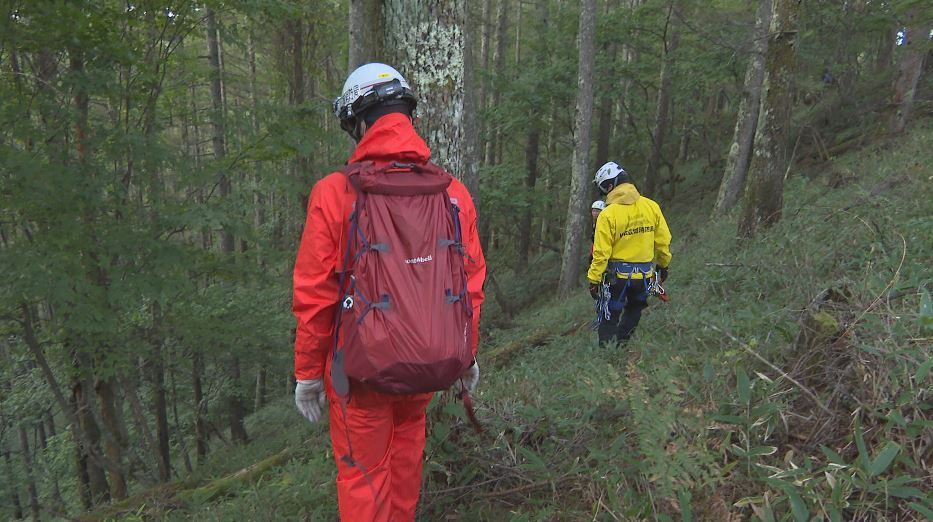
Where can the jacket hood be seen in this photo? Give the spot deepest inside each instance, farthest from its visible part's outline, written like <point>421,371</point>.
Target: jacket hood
<point>391,138</point>
<point>624,194</point>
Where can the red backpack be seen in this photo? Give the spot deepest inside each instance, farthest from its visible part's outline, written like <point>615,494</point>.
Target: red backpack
<point>403,324</point>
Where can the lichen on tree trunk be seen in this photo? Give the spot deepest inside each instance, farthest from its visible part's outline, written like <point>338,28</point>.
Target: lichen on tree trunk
<point>425,40</point>
<point>576,205</point>
<point>740,153</point>
<point>764,194</point>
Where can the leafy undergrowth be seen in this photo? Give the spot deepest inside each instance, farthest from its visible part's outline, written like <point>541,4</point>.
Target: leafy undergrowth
<point>788,378</point>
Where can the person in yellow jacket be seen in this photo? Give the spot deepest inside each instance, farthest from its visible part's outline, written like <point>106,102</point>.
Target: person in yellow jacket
<point>631,247</point>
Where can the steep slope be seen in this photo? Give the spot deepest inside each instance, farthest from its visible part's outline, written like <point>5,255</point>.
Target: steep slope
<point>788,375</point>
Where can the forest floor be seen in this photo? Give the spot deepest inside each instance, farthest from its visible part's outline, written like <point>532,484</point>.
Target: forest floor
<point>789,376</point>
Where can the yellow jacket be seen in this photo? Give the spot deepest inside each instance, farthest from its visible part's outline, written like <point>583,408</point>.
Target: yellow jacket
<point>631,229</point>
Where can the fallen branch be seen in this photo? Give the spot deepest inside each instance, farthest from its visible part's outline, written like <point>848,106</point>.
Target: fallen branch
<point>181,492</point>
<point>783,374</point>
<point>222,486</point>
<point>523,488</point>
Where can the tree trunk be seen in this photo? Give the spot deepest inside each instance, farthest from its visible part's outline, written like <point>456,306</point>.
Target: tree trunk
<point>234,401</point>
<point>885,56</point>
<point>764,195</point>
<point>44,435</point>
<point>550,202</point>
<point>217,119</point>
<point>300,165</point>
<point>28,466</point>
<point>663,108</point>
<point>502,28</point>
<point>159,405</point>
<point>576,227</point>
<point>743,139</point>
<point>469,123</point>
<point>538,58</point>
<point>425,38</point>
<point>93,482</point>
<point>114,442</point>
<point>98,488</point>
<point>531,178</point>
<point>259,214</point>
<point>200,427</point>
<point>260,389</point>
<point>629,57</point>
<point>200,430</point>
<point>139,417</point>
<point>686,130</point>
<point>482,102</point>
<point>606,99</point>
<point>11,484</point>
<point>365,33</point>
<point>605,129</point>
<point>84,443</point>
<point>910,67</point>
<point>178,428</point>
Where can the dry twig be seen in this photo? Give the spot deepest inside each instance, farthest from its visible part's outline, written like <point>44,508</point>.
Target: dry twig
<point>748,349</point>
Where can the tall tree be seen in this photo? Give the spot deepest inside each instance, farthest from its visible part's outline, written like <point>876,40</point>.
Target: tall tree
<point>156,371</point>
<point>471,104</point>
<point>662,112</point>
<point>365,32</point>
<point>915,47</point>
<point>498,59</point>
<point>98,485</point>
<point>12,483</point>
<point>29,465</point>
<point>235,408</point>
<point>626,119</point>
<point>764,194</point>
<point>533,140</point>
<point>425,38</point>
<point>743,139</point>
<point>575,224</point>
<point>607,83</point>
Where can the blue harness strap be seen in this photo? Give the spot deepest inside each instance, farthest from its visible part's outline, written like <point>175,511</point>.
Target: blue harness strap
<point>624,267</point>
<point>605,304</point>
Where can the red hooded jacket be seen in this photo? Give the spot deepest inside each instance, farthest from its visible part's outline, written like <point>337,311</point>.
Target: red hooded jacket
<point>391,138</point>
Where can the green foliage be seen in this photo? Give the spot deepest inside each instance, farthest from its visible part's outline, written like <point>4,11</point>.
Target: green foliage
<point>110,250</point>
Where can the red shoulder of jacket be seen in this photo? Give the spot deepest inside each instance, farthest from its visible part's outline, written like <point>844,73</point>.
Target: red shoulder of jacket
<point>459,195</point>
<point>332,182</point>
<point>331,190</point>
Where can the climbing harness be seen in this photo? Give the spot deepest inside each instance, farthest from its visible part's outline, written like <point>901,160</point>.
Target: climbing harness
<point>605,304</point>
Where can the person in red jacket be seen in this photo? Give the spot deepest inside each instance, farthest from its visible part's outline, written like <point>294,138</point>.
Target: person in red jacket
<point>383,435</point>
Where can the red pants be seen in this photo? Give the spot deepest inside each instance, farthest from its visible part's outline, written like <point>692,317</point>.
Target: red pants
<point>387,437</point>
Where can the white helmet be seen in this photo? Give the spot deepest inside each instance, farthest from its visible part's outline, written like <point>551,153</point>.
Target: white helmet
<point>369,85</point>
<point>609,176</point>
<point>598,205</point>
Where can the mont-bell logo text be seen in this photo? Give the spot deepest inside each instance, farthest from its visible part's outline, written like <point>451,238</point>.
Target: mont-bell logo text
<point>417,260</point>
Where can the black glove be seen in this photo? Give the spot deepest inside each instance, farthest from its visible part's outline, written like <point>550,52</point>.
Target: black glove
<point>594,290</point>
<point>662,273</point>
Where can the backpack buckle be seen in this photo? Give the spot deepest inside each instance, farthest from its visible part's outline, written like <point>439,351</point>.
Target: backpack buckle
<point>398,166</point>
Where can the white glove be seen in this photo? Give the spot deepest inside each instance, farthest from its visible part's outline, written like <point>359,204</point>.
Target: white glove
<point>310,398</point>
<point>470,377</point>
